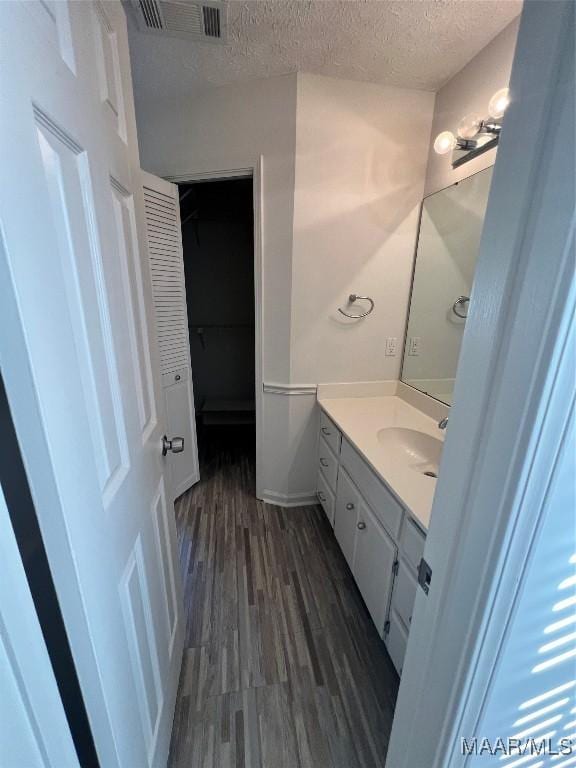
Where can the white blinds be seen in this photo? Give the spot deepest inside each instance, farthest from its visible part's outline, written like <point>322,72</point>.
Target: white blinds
<point>165,249</point>
<point>533,694</point>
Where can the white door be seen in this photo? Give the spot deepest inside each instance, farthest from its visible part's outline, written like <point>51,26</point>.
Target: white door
<point>169,288</point>
<point>33,727</point>
<point>75,320</point>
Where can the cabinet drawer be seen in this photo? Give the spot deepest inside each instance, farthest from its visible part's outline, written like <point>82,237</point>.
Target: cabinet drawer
<point>328,463</point>
<point>330,432</point>
<point>412,543</point>
<point>385,506</point>
<point>396,641</point>
<point>404,593</point>
<point>326,498</point>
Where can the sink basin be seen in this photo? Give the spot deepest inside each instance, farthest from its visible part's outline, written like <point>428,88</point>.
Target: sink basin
<point>418,450</point>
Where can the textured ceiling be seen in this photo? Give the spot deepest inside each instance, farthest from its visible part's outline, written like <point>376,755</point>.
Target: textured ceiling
<point>406,43</point>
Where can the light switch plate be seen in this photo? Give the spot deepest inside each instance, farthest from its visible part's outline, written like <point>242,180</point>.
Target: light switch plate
<point>391,346</point>
<point>414,346</point>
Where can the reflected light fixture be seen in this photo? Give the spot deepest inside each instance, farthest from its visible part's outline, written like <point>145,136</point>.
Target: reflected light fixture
<point>445,142</point>
<point>476,134</point>
<point>498,103</point>
<point>469,126</point>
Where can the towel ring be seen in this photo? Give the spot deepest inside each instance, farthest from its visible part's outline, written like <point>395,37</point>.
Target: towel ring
<point>353,298</point>
<point>461,301</point>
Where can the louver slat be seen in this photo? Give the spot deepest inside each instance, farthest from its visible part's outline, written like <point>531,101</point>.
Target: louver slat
<point>167,279</point>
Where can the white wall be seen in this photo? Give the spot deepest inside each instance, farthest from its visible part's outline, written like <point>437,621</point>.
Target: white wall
<point>361,153</point>
<point>470,91</point>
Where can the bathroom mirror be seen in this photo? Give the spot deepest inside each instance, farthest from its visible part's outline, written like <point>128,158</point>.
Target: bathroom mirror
<point>448,242</point>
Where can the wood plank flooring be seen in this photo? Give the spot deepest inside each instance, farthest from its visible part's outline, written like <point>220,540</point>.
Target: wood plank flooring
<point>282,667</point>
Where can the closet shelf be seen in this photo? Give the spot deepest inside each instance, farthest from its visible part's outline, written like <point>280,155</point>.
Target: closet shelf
<point>221,325</point>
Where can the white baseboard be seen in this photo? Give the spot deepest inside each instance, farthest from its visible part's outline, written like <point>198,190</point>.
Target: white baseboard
<point>289,499</point>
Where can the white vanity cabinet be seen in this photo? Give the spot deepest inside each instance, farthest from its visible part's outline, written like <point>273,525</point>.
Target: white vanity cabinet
<point>380,540</point>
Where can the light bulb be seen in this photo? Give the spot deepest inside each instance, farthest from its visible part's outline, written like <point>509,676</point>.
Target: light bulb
<point>498,103</point>
<point>469,126</point>
<point>444,142</point>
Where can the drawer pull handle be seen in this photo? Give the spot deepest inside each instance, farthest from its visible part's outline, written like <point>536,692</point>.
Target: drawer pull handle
<point>324,462</point>
<point>321,496</point>
<point>326,431</point>
<point>361,525</point>
<point>349,505</point>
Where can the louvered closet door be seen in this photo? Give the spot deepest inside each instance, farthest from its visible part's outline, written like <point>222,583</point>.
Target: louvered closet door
<point>169,290</point>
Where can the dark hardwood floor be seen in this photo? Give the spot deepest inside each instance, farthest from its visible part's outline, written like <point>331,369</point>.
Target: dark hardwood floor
<point>283,667</point>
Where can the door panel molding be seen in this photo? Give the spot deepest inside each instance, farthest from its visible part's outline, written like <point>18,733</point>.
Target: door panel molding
<point>136,609</point>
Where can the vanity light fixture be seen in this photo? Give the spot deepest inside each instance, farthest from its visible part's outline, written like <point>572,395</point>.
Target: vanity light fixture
<point>475,134</point>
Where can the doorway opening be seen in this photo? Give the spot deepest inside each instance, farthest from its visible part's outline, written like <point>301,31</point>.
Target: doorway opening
<point>217,219</point>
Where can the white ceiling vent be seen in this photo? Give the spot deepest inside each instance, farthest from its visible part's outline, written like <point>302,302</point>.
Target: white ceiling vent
<point>182,18</point>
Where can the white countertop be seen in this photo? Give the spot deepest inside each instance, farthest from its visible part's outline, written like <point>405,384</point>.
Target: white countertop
<point>360,418</point>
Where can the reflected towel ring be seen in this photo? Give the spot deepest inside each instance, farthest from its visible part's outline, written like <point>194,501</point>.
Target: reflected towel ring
<point>461,301</point>
<point>351,300</point>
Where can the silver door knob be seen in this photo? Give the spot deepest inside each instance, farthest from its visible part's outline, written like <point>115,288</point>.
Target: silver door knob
<point>349,505</point>
<point>176,445</point>
<point>361,525</point>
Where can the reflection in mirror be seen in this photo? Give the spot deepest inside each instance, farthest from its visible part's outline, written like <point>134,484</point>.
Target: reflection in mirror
<point>448,242</point>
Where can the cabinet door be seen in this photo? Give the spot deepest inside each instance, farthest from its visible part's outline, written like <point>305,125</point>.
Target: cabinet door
<point>374,564</point>
<point>346,518</point>
<point>396,641</point>
<point>404,593</point>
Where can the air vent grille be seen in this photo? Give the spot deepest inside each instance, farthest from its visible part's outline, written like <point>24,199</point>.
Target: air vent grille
<point>211,21</point>
<point>182,18</point>
<point>151,14</point>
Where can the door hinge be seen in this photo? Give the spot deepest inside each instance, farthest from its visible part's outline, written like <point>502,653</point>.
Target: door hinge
<point>386,627</point>
<point>395,567</point>
<point>424,575</point>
